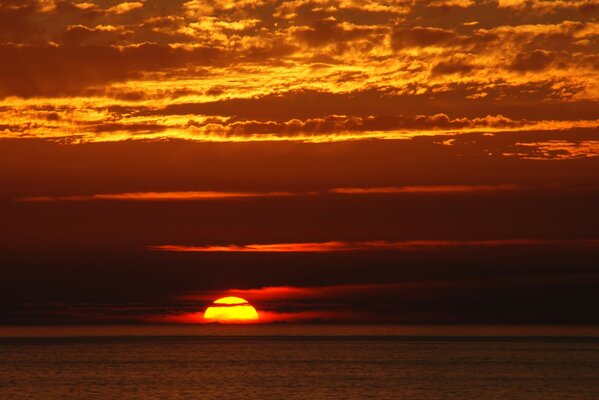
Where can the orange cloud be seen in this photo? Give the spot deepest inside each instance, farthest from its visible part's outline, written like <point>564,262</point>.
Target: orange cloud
<point>371,302</point>
<point>341,124</point>
<point>330,30</point>
<point>309,304</point>
<point>216,195</point>
<point>158,196</point>
<point>556,150</point>
<point>294,293</point>
<point>267,317</point>
<point>125,7</point>
<point>338,246</point>
<point>310,71</point>
<point>424,189</point>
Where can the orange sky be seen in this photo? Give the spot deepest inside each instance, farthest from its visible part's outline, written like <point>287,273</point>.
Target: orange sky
<point>357,142</point>
<point>216,70</point>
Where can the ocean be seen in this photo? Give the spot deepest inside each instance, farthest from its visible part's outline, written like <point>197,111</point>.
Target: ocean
<point>299,362</point>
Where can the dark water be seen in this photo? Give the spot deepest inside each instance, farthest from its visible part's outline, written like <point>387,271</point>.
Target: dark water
<point>310,363</point>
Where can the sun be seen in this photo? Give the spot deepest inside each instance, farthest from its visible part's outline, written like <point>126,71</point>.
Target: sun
<point>231,310</point>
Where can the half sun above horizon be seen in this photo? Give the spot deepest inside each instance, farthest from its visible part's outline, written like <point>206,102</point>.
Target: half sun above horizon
<point>231,310</point>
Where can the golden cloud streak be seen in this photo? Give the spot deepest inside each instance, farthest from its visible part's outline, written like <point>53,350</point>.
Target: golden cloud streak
<point>221,195</point>
<point>161,128</point>
<point>160,196</point>
<point>558,150</point>
<point>341,246</point>
<point>424,189</point>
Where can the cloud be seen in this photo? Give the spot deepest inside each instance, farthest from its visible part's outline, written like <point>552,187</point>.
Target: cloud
<point>451,3</point>
<point>125,7</point>
<point>216,195</point>
<point>85,6</point>
<point>158,196</point>
<point>77,34</point>
<point>330,30</point>
<point>71,123</point>
<point>195,8</point>
<point>15,21</point>
<point>339,246</point>
<point>323,294</point>
<point>341,49</point>
<point>444,300</point>
<point>420,36</point>
<point>512,3</point>
<point>49,70</point>
<point>424,189</point>
<point>452,67</point>
<point>555,150</point>
<point>547,7</point>
<point>315,71</point>
<point>450,98</point>
<point>538,60</point>
<point>341,124</point>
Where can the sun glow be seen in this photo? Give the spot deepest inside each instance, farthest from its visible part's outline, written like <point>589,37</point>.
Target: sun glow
<point>231,310</point>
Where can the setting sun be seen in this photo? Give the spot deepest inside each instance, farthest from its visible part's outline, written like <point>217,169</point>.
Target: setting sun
<point>231,310</point>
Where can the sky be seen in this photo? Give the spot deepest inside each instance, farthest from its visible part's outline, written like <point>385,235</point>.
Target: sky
<point>398,161</point>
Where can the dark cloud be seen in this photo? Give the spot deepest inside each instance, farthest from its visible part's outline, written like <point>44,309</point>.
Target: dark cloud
<point>420,37</point>
<point>15,23</point>
<point>338,124</point>
<point>451,99</point>
<point>326,31</point>
<point>440,288</point>
<point>135,127</point>
<point>65,70</point>
<point>452,67</point>
<point>538,60</point>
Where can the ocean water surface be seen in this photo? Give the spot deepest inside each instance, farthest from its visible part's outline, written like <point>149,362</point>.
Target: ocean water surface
<point>299,362</point>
